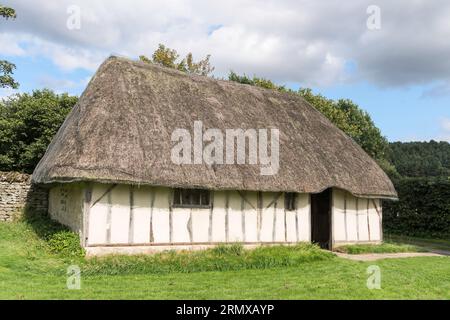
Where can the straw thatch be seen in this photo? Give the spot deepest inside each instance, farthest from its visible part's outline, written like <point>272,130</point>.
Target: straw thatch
<point>120,132</point>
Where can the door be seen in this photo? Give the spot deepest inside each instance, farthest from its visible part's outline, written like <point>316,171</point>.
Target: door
<point>321,219</point>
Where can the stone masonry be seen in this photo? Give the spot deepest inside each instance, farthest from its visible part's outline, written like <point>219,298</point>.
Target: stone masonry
<point>17,193</point>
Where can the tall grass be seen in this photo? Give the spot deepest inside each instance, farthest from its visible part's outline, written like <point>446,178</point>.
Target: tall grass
<point>220,258</point>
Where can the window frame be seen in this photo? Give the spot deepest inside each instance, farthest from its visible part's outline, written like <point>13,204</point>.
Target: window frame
<point>290,201</point>
<point>179,192</point>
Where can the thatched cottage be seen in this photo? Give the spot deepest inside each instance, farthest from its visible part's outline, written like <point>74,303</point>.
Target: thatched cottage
<point>113,179</point>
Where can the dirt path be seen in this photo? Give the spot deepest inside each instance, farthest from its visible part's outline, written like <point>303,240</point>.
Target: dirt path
<point>378,256</point>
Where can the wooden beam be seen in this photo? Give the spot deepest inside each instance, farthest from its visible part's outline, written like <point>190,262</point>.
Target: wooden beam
<point>171,216</point>
<point>259,202</point>
<point>86,212</point>
<point>211,208</point>
<point>186,244</point>
<point>246,200</point>
<point>357,218</point>
<point>274,222</point>
<point>108,218</point>
<point>104,194</point>
<point>368,221</point>
<point>345,215</point>
<point>227,209</point>
<point>131,222</point>
<point>275,199</point>
<point>243,218</point>
<point>152,204</point>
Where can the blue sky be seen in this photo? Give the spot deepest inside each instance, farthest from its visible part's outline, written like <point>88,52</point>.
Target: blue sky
<point>399,73</point>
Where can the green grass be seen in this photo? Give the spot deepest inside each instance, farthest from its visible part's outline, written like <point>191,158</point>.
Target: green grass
<point>33,267</point>
<point>431,244</point>
<point>378,248</point>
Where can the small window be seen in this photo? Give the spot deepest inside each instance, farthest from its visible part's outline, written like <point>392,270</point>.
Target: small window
<point>289,201</point>
<point>191,198</point>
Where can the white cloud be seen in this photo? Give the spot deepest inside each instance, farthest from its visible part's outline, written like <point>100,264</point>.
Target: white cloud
<point>11,47</point>
<point>289,41</point>
<point>444,134</point>
<point>50,82</point>
<point>445,124</point>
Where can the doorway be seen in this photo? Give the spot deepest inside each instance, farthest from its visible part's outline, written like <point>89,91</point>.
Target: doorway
<point>321,219</point>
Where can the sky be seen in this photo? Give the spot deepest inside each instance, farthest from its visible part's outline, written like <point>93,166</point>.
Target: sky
<point>390,57</point>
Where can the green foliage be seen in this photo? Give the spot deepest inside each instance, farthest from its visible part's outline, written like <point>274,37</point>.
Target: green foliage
<point>28,122</point>
<point>58,239</point>
<point>66,243</point>
<point>7,68</point>
<point>377,248</point>
<point>6,71</point>
<point>7,12</point>
<point>167,57</point>
<point>221,258</point>
<point>420,159</point>
<point>233,249</point>
<point>255,81</point>
<point>423,209</point>
<point>355,122</point>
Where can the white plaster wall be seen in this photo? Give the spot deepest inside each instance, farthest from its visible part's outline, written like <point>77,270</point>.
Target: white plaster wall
<point>303,217</point>
<point>375,219</point>
<point>362,218</point>
<point>98,216</point>
<point>355,219</point>
<point>219,217</point>
<point>141,210</point>
<point>251,217</point>
<point>66,206</point>
<point>124,215</point>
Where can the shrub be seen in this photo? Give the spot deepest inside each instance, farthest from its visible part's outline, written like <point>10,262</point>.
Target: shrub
<point>423,209</point>
<point>58,238</point>
<point>66,243</point>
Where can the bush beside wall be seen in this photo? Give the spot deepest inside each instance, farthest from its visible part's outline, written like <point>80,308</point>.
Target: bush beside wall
<point>422,211</point>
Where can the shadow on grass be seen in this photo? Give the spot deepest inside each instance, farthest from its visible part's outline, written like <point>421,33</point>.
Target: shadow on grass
<point>59,238</point>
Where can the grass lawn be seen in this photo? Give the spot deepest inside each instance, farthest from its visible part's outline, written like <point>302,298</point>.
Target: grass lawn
<point>378,248</point>
<point>30,269</point>
<point>432,244</point>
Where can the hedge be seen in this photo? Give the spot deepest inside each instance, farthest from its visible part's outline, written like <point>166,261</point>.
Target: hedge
<point>423,209</point>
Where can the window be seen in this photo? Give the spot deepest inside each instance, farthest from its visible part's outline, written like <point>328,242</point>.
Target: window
<point>191,198</point>
<point>289,201</point>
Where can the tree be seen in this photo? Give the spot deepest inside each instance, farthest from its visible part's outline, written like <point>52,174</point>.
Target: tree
<point>168,58</point>
<point>28,123</point>
<point>7,13</point>
<point>6,68</point>
<point>421,159</point>
<point>255,81</point>
<point>354,121</point>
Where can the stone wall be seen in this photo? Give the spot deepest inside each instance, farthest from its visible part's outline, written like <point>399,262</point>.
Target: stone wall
<point>17,193</point>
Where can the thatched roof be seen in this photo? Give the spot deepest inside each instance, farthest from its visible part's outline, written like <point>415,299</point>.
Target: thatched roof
<point>120,132</point>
